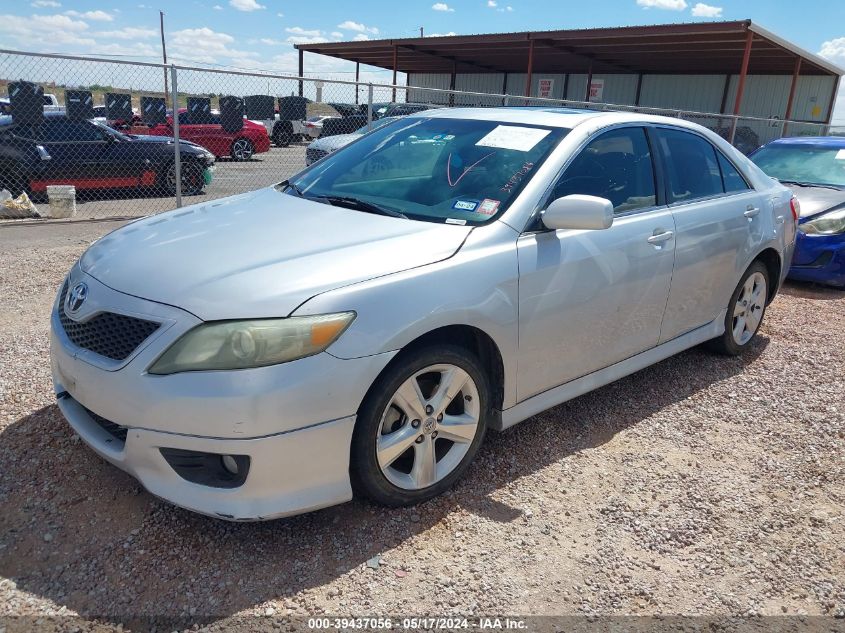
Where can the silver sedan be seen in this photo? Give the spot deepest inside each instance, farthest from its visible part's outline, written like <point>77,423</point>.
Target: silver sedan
<point>359,327</point>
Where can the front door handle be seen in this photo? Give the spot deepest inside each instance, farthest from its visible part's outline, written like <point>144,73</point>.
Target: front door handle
<point>659,238</point>
<point>751,211</point>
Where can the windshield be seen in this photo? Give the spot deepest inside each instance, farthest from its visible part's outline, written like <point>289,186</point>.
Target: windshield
<point>812,164</point>
<point>441,170</point>
<point>110,130</point>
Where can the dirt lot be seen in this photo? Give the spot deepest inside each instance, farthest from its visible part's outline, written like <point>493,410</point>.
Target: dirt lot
<point>702,485</point>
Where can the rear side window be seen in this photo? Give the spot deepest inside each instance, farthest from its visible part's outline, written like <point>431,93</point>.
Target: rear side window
<point>731,178</point>
<point>616,165</point>
<point>693,168</point>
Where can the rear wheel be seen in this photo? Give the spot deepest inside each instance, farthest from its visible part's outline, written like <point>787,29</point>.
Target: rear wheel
<point>191,176</point>
<point>242,149</point>
<point>420,426</point>
<point>283,134</point>
<point>745,311</point>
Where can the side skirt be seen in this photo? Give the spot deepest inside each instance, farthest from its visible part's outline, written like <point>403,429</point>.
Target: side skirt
<point>580,386</point>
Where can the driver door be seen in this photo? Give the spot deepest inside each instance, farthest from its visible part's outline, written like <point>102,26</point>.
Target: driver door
<point>589,299</point>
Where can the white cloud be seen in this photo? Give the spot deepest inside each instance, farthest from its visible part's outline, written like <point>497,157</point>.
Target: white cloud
<point>217,7</point>
<point>46,3</point>
<point>449,34</point>
<point>509,8</point>
<point>834,50</point>
<point>207,46</point>
<point>246,5</point>
<point>298,30</point>
<point>337,35</point>
<point>97,16</point>
<point>442,6</point>
<point>280,15</point>
<point>305,39</point>
<point>128,33</point>
<point>671,5</point>
<point>361,37</point>
<point>57,30</point>
<point>270,41</point>
<point>349,25</point>
<point>701,10</point>
<point>492,4</point>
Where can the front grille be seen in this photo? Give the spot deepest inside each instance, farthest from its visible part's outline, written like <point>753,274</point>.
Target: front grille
<point>115,430</point>
<point>108,334</point>
<point>313,155</point>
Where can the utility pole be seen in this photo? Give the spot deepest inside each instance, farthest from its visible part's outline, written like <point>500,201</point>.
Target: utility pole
<point>164,58</point>
<point>422,32</point>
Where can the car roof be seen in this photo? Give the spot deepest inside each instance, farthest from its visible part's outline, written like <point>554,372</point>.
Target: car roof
<point>549,116</point>
<point>836,142</point>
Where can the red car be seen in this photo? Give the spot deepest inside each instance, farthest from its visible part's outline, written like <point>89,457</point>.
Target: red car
<point>241,145</point>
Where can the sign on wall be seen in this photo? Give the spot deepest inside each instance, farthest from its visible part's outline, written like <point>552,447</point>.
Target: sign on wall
<point>596,89</point>
<point>545,88</point>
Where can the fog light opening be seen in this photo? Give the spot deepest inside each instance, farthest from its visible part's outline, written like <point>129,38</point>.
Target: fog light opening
<point>230,464</point>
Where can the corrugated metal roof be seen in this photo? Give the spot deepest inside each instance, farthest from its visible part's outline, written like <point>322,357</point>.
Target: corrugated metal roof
<point>684,48</point>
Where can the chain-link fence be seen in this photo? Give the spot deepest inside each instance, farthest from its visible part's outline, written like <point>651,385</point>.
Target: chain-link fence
<point>94,138</point>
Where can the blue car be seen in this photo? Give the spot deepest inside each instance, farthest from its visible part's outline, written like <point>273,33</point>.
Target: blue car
<point>814,168</point>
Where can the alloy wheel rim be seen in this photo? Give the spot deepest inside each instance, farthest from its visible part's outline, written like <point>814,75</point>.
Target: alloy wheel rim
<point>241,149</point>
<point>748,309</point>
<point>188,174</point>
<point>428,426</point>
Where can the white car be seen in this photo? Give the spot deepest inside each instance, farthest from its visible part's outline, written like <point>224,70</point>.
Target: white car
<point>361,325</point>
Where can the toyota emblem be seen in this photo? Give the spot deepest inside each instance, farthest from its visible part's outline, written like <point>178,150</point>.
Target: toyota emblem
<point>77,296</point>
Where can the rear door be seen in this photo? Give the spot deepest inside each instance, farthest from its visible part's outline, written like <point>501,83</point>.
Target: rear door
<point>718,227</point>
<point>589,299</point>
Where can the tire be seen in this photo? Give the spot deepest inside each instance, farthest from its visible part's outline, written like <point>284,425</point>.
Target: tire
<point>242,149</point>
<point>282,133</point>
<point>393,472</point>
<point>192,178</point>
<point>745,312</point>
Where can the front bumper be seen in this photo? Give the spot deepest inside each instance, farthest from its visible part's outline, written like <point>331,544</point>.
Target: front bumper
<point>289,473</point>
<point>293,421</point>
<point>820,259</point>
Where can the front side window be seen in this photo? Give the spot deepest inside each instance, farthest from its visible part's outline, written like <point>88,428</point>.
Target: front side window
<point>803,163</point>
<point>693,169</point>
<point>433,169</point>
<point>66,131</point>
<point>617,166</point>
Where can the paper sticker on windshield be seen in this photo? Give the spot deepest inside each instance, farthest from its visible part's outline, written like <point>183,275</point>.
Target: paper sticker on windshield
<point>840,155</point>
<point>455,221</point>
<point>465,205</point>
<point>488,207</point>
<point>515,137</point>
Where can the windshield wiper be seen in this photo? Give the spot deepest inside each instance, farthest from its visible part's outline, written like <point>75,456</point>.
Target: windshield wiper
<point>290,185</point>
<point>362,205</point>
<point>810,184</point>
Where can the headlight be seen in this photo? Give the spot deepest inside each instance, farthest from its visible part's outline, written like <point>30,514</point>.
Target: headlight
<point>827,224</point>
<point>242,344</point>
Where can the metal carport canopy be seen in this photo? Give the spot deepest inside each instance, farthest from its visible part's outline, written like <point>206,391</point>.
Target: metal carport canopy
<point>694,48</point>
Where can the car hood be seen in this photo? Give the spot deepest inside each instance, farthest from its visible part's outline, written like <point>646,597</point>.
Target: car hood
<point>332,143</point>
<point>260,254</point>
<point>815,200</point>
<point>153,138</point>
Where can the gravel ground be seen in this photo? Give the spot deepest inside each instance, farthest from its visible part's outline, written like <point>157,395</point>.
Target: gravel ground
<point>702,485</point>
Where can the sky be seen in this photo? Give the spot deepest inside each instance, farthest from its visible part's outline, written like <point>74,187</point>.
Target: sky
<point>259,34</point>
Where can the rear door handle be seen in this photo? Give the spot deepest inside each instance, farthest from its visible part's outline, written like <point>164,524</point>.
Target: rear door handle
<point>659,238</point>
<point>751,211</point>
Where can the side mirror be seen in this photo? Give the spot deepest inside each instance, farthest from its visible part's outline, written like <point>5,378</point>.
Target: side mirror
<point>578,212</point>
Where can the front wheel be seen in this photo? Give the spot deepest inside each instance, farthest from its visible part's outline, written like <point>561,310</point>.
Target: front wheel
<point>420,426</point>
<point>242,149</point>
<point>745,311</point>
<point>191,176</point>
